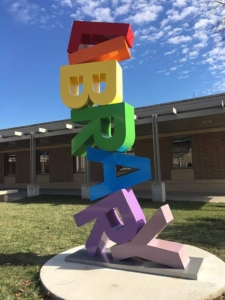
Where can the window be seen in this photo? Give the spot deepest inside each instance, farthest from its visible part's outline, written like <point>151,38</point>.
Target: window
<point>126,169</point>
<point>78,164</point>
<point>182,154</point>
<point>10,164</point>
<point>43,162</point>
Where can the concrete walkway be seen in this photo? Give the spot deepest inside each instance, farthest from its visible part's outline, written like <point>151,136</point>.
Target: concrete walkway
<point>174,196</point>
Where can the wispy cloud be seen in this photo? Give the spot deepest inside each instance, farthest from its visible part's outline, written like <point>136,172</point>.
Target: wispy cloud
<point>65,3</point>
<point>169,52</point>
<point>179,31</point>
<point>179,39</point>
<point>145,13</point>
<point>23,10</point>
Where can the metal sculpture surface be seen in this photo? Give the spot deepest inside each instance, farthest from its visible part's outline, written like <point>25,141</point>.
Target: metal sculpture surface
<point>93,52</point>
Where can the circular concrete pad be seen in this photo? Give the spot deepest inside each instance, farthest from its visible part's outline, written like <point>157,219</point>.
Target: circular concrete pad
<point>72,281</point>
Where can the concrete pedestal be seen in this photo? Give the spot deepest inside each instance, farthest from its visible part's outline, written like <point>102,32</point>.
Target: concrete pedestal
<point>73,281</point>
<point>158,192</point>
<point>85,191</point>
<point>33,190</point>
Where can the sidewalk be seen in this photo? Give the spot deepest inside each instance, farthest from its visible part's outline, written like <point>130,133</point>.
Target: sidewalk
<point>175,196</point>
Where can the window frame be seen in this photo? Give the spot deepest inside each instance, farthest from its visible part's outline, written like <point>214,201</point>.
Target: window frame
<point>7,168</point>
<point>172,152</point>
<point>81,169</point>
<point>38,154</point>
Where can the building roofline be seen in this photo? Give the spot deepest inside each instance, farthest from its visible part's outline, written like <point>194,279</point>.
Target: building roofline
<point>176,110</point>
<point>185,101</point>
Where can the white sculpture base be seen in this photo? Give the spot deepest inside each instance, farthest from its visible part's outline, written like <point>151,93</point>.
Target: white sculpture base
<point>72,281</point>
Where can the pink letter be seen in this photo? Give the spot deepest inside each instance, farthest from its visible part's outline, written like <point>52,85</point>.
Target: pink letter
<point>145,244</point>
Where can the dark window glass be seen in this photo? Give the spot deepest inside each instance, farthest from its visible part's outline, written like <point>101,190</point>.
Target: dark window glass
<point>43,162</point>
<point>10,164</point>
<point>123,168</point>
<point>182,154</point>
<point>78,164</point>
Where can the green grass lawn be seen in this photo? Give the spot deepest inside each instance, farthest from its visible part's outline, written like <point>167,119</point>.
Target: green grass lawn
<point>35,229</point>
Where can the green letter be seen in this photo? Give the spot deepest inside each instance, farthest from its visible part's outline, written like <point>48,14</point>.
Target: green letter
<point>98,130</point>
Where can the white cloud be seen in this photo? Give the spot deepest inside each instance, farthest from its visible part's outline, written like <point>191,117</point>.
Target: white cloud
<point>198,46</point>
<point>65,3</point>
<point>179,3</point>
<point>24,11</point>
<point>201,35</point>
<point>202,23</point>
<point>122,10</point>
<point>145,13</point>
<point>193,54</point>
<point>169,53</point>
<point>161,71</point>
<point>183,29</point>
<point>183,77</point>
<point>167,28</point>
<point>219,86</point>
<point>155,36</point>
<point>208,60</point>
<point>174,31</point>
<point>185,50</point>
<point>184,59</point>
<point>175,15</point>
<point>179,39</point>
<point>164,22</point>
<point>102,14</point>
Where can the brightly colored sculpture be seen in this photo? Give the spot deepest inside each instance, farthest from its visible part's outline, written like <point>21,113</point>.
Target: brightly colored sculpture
<point>94,51</point>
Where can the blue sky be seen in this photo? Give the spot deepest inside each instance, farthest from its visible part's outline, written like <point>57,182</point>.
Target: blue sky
<point>176,54</point>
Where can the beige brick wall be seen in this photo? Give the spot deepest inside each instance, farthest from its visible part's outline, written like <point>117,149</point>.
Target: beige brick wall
<point>60,165</point>
<point>209,155</point>
<point>96,172</point>
<point>208,159</point>
<point>144,148</point>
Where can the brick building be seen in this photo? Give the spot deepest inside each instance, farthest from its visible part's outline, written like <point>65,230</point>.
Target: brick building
<point>191,147</point>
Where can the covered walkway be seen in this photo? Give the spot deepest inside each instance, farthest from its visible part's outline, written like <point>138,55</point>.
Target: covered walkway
<point>174,196</point>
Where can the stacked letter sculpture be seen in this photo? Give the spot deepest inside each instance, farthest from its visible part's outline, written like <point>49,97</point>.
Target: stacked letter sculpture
<point>94,52</point>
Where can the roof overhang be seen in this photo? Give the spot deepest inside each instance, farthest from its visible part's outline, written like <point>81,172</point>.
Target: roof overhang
<point>172,117</point>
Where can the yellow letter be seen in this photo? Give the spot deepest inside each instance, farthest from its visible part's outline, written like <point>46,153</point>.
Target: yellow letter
<point>90,75</point>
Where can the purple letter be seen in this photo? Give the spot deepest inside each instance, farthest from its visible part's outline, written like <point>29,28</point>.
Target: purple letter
<point>108,224</point>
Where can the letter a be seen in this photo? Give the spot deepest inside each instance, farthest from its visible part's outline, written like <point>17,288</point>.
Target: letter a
<point>112,183</point>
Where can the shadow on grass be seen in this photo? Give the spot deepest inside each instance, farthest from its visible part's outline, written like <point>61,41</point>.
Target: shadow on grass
<point>54,200</point>
<point>182,205</point>
<point>203,232</point>
<point>145,203</point>
<point>27,260</point>
<point>23,259</point>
